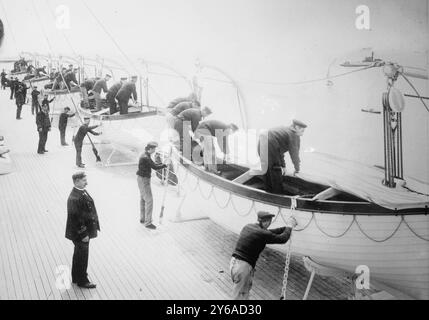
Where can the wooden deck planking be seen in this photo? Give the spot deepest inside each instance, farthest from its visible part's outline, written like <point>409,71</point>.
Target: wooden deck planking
<point>127,261</point>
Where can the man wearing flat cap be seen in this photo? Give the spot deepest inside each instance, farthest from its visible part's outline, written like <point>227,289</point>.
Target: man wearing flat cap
<point>272,146</point>
<point>82,225</point>
<point>144,173</point>
<point>111,94</point>
<point>251,242</point>
<point>124,94</point>
<point>35,105</point>
<point>100,85</point>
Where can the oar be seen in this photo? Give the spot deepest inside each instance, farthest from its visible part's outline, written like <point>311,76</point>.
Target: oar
<point>94,149</point>
<point>164,196</point>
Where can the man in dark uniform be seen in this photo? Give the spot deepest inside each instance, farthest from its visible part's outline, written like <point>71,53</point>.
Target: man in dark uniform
<point>3,79</point>
<point>62,124</point>
<point>35,100</point>
<point>111,94</point>
<point>19,99</point>
<point>144,174</point>
<point>46,102</point>
<point>189,120</point>
<point>251,242</point>
<point>78,139</point>
<point>206,132</point>
<point>43,127</point>
<point>127,90</point>
<point>271,149</point>
<point>12,84</point>
<point>100,85</point>
<point>82,225</point>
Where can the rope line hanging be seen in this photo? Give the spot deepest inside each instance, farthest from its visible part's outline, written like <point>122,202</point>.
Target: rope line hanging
<point>415,90</point>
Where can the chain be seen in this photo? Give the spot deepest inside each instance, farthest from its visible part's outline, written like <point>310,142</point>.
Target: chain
<point>288,253</point>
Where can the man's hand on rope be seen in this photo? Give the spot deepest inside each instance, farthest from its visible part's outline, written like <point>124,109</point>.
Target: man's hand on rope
<point>291,222</point>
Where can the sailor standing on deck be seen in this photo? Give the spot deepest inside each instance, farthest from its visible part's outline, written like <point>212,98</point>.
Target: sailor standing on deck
<point>251,242</point>
<point>12,85</point>
<point>35,100</point>
<point>78,139</point>
<point>98,87</point>
<point>19,98</point>
<point>111,94</point>
<point>144,174</point>
<point>43,127</point>
<point>82,225</point>
<point>46,102</point>
<point>3,79</point>
<point>271,149</point>
<point>62,124</point>
<point>127,90</point>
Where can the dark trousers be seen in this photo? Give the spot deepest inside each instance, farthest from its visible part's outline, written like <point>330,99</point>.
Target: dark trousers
<point>63,136</point>
<point>112,105</point>
<point>12,92</point>
<point>273,178</point>
<point>78,147</point>
<point>123,106</point>
<point>43,137</point>
<point>18,111</point>
<point>80,262</point>
<point>34,107</point>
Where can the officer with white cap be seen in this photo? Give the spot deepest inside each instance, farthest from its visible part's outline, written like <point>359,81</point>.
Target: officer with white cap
<point>251,242</point>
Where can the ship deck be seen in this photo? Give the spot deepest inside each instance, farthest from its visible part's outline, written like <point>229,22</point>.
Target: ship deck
<point>180,260</point>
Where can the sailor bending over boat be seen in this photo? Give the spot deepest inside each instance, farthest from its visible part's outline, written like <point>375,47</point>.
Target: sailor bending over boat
<point>189,120</point>
<point>251,242</point>
<point>190,98</point>
<point>78,139</point>
<point>180,107</point>
<point>205,133</point>
<point>124,94</point>
<point>70,78</point>
<point>100,85</point>
<point>144,174</point>
<point>111,94</point>
<point>271,149</point>
<point>85,87</point>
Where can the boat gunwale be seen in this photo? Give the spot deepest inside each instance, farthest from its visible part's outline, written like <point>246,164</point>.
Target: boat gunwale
<point>302,204</point>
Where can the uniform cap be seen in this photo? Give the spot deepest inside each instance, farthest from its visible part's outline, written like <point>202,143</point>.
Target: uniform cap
<point>263,215</point>
<point>152,144</point>
<point>299,123</point>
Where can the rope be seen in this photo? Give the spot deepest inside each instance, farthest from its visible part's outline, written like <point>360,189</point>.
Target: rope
<point>411,229</point>
<point>415,90</point>
<point>375,240</point>
<point>108,34</point>
<point>42,27</point>
<point>336,236</point>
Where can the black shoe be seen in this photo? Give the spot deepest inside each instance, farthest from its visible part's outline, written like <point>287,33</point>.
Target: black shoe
<point>141,221</point>
<point>87,285</point>
<point>18,118</point>
<point>151,226</point>
<point>45,150</point>
<point>80,165</point>
<point>40,152</point>
<point>64,144</point>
